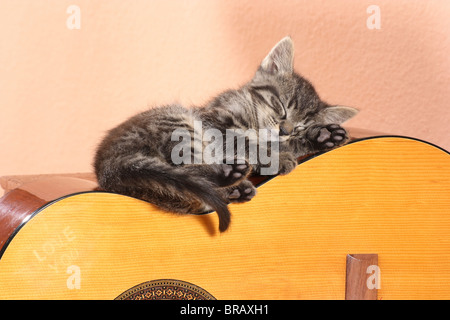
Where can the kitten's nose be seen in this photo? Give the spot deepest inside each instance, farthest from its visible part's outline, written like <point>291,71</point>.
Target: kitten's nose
<point>286,128</point>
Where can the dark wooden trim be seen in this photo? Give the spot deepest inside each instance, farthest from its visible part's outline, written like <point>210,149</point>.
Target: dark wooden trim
<point>16,207</point>
<point>356,287</point>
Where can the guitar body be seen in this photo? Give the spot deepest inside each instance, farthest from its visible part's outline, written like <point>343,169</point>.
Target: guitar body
<point>385,195</point>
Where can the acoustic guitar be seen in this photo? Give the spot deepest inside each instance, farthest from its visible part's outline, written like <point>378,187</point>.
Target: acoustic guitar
<point>386,195</point>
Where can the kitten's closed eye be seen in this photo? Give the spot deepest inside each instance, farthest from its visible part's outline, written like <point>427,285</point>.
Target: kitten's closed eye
<point>302,126</point>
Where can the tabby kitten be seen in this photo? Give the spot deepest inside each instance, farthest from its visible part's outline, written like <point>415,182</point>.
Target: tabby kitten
<point>136,158</point>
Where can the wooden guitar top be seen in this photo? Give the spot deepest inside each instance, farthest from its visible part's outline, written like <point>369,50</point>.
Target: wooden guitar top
<point>387,195</point>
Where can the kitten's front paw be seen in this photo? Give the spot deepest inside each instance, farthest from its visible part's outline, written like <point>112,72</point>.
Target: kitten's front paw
<point>329,136</point>
<point>233,173</point>
<point>243,192</point>
<point>288,162</point>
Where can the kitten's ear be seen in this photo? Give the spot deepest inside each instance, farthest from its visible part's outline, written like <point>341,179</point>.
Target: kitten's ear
<point>280,59</point>
<point>337,114</point>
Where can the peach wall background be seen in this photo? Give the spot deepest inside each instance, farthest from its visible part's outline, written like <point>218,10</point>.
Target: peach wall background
<point>61,89</point>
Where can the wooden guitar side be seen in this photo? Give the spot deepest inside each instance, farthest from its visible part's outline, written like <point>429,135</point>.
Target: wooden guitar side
<point>388,196</point>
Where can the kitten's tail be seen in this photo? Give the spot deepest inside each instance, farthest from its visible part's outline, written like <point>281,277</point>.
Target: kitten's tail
<point>158,175</point>
<point>211,197</point>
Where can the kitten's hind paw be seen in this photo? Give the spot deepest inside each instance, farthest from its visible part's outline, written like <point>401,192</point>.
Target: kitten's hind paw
<point>329,136</point>
<point>233,173</point>
<point>288,162</point>
<point>243,192</point>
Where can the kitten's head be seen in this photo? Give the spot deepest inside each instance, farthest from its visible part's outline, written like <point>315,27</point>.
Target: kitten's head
<point>287,101</point>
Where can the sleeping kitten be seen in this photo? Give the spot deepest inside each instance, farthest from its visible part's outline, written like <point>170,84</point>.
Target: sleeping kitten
<point>137,157</point>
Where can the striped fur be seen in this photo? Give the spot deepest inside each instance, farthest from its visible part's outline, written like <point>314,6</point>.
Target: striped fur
<point>135,158</point>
